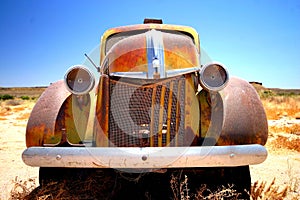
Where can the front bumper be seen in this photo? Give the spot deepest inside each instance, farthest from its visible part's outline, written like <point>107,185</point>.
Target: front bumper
<point>146,157</point>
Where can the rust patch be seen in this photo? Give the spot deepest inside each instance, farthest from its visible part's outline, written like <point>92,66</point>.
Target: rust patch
<point>41,123</point>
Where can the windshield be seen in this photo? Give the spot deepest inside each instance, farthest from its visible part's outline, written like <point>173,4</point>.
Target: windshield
<point>150,54</point>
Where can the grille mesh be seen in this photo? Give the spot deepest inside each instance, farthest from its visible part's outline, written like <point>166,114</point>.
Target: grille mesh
<point>147,115</point>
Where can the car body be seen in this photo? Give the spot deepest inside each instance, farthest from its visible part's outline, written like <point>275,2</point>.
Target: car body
<point>155,106</point>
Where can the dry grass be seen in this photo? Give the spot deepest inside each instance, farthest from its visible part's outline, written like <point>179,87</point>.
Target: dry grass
<point>277,107</point>
<point>21,188</point>
<point>222,193</point>
<point>92,189</point>
<point>264,191</point>
<point>281,141</point>
<point>291,129</point>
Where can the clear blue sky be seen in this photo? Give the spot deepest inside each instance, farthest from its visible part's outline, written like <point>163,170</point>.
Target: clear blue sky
<point>258,40</point>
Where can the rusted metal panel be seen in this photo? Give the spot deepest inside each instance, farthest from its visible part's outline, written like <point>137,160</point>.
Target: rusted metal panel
<point>233,116</point>
<point>131,54</point>
<point>74,117</point>
<point>245,120</point>
<point>41,124</point>
<point>211,117</point>
<point>61,122</point>
<point>192,112</point>
<point>102,113</point>
<point>179,52</point>
<point>184,29</point>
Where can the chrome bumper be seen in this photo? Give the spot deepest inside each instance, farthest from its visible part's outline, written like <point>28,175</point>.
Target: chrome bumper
<point>147,157</point>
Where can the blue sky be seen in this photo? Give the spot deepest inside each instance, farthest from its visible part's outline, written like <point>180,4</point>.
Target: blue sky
<point>258,40</point>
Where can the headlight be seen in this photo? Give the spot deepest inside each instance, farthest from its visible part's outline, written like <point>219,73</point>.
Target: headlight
<point>79,80</point>
<point>213,76</point>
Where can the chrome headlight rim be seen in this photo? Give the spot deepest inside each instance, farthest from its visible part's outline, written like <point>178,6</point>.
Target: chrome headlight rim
<point>208,87</point>
<point>90,75</point>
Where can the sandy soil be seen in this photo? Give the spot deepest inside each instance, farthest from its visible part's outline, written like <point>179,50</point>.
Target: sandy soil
<point>281,164</point>
<point>13,120</point>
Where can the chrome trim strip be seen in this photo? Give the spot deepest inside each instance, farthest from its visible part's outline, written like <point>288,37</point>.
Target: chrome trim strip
<point>155,50</point>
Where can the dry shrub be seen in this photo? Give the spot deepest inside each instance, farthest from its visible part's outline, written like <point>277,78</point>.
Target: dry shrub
<point>263,191</point>
<point>222,193</point>
<point>294,182</point>
<point>179,188</point>
<point>21,188</point>
<point>278,106</point>
<point>292,129</point>
<point>93,189</point>
<point>285,142</point>
<point>181,191</point>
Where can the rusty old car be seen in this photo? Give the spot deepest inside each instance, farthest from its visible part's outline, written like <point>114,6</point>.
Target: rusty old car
<point>151,109</point>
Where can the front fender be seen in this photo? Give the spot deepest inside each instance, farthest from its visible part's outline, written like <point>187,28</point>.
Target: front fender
<point>234,115</point>
<point>245,120</point>
<point>58,117</point>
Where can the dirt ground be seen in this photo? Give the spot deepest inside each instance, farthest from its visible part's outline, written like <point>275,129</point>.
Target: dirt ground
<point>282,164</point>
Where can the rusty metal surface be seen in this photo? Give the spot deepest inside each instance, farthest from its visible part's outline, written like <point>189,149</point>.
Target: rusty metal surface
<point>212,115</point>
<point>72,119</point>
<point>131,53</point>
<point>185,29</point>
<point>41,124</point>
<point>245,120</point>
<point>102,113</point>
<point>233,116</point>
<point>147,157</point>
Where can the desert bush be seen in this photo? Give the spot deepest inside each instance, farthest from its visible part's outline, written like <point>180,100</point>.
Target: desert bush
<point>6,97</point>
<point>25,97</point>
<point>264,94</point>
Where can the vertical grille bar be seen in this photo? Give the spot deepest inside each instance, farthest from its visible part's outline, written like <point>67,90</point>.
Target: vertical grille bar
<point>152,117</point>
<point>161,115</point>
<point>169,115</point>
<point>178,107</point>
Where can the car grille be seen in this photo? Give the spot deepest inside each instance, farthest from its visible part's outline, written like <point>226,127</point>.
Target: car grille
<point>143,115</point>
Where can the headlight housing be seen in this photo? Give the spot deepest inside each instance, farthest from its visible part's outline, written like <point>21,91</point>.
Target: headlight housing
<point>213,76</point>
<point>79,80</point>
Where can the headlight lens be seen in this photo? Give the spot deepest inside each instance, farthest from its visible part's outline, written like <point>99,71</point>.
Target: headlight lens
<point>213,76</point>
<point>79,80</point>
